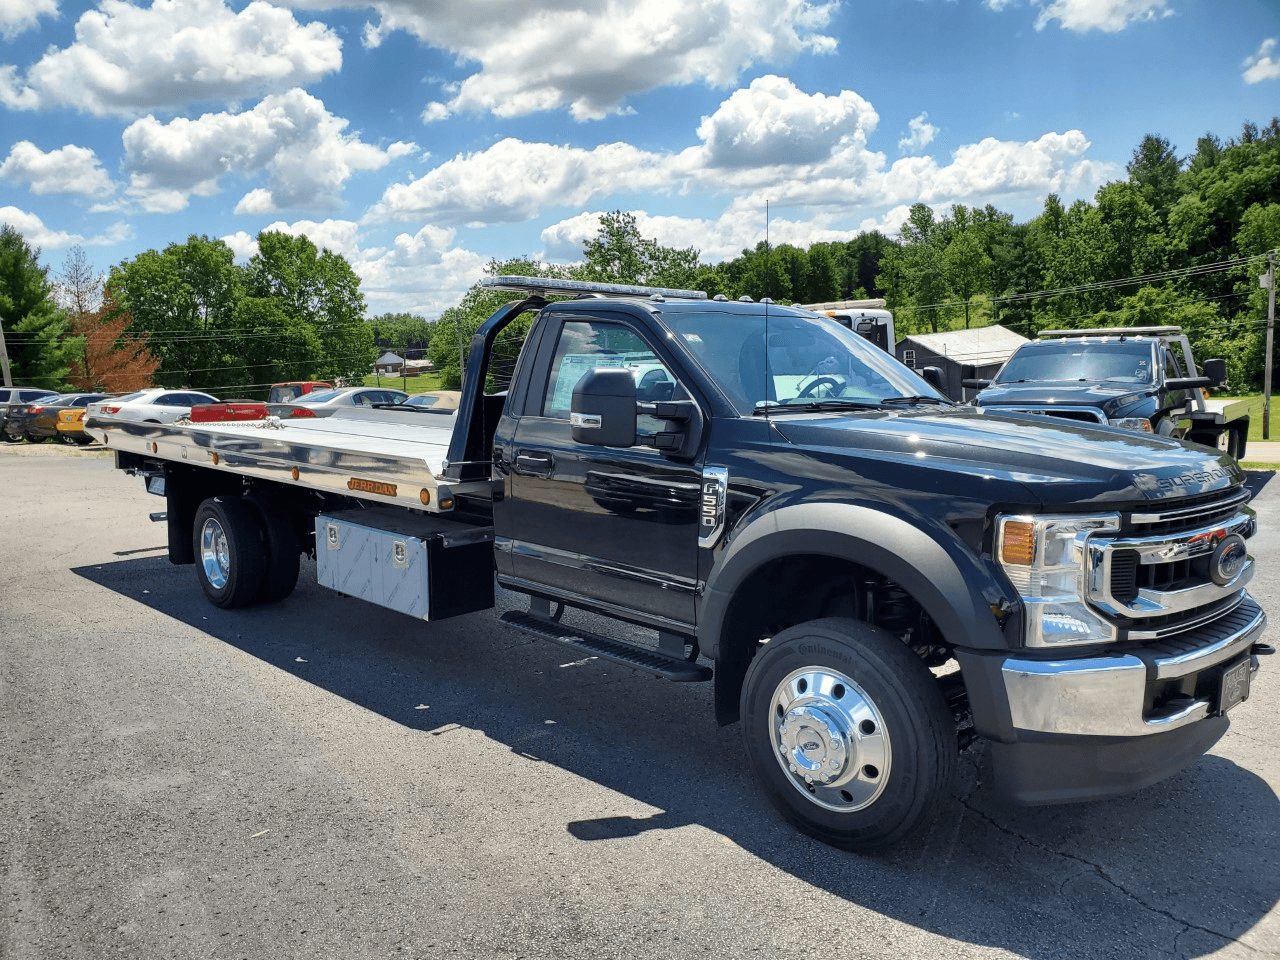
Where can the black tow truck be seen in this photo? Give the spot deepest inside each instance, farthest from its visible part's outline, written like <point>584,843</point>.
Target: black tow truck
<point>869,575</point>
<point>1136,378</point>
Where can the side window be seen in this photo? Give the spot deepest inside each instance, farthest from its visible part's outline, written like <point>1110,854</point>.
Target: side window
<point>585,345</point>
<point>168,400</point>
<point>1170,366</point>
<point>4,396</point>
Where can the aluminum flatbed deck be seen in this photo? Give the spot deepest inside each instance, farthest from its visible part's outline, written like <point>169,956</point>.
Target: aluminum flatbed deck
<point>380,459</point>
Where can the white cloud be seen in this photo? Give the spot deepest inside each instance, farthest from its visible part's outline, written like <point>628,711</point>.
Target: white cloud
<point>920,133</point>
<point>1263,65</point>
<point>1109,16</point>
<point>33,229</point>
<point>998,5</point>
<point>513,180</point>
<point>127,59</point>
<point>737,228</point>
<point>69,169</point>
<point>305,152</point>
<point>589,57</point>
<point>806,154</point>
<point>422,272</point>
<point>772,122</point>
<point>19,15</point>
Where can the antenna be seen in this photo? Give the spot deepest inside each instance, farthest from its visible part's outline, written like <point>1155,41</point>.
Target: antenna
<point>768,299</point>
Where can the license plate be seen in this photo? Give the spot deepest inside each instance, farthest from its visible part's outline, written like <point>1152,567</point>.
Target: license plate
<point>1235,685</point>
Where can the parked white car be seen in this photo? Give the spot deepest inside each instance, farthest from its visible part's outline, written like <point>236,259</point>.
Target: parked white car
<point>156,405</point>
<point>325,403</point>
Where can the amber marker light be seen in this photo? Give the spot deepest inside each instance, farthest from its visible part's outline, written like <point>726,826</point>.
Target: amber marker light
<point>214,457</point>
<point>425,497</point>
<point>1018,542</point>
<point>295,473</point>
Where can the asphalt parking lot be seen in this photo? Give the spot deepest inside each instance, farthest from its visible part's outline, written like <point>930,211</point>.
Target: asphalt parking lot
<point>322,778</point>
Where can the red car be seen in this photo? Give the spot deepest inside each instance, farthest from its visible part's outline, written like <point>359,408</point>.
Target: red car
<point>288,392</point>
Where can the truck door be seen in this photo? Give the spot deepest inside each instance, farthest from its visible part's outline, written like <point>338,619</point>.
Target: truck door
<point>614,525</point>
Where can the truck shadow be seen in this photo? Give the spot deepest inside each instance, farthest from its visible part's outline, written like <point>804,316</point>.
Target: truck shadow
<point>1186,867</point>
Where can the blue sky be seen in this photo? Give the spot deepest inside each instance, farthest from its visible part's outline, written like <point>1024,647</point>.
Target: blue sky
<point>420,139</point>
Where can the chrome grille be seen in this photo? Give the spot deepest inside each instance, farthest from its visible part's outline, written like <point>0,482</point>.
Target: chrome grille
<point>1201,511</point>
<point>1161,583</point>
<point>1083,414</point>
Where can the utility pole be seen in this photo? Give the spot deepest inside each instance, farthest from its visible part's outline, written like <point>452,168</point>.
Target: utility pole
<point>1269,281</point>
<point>4,358</point>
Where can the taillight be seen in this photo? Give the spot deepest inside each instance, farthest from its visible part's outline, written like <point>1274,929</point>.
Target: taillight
<point>110,410</point>
<point>35,408</point>
<point>301,412</point>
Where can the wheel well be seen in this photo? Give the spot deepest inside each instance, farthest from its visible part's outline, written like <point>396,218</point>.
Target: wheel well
<point>789,590</point>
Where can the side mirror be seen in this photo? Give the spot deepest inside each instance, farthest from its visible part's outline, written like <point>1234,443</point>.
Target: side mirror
<point>933,377</point>
<point>1216,370</point>
<point>603,408</point>
<point>1187,383</point>
<point>972,384</point>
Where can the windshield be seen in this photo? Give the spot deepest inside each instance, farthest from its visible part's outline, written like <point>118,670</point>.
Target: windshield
<point>1124,361</point>
<point>321,396</point>
<point>422,401</point>
<point>284,394</point>
<point>808,360</point>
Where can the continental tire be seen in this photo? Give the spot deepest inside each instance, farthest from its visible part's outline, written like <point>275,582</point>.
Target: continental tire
<point>228,540</point>
<point>847,733</point>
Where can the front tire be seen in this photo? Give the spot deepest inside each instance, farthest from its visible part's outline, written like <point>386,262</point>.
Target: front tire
<point>229,550</point>
<point>847,733</point>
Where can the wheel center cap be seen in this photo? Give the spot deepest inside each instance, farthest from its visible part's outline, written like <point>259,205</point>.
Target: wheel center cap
<point>816,742</point>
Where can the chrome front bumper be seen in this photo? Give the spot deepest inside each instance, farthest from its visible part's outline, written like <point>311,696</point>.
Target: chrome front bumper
<point>1104,696</point>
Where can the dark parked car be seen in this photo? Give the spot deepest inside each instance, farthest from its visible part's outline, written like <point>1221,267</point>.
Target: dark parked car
<point>13,399</point>
<point>38,420</point>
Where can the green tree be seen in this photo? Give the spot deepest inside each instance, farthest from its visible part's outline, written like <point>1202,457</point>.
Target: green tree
<point>1154,170</point>
<point>40,351</point>
<point>451,334</point>
<point>401,331</point>
<point>967,267</point>
<point>619,253</point>
<point>183,299</point>
<point>319,293</point>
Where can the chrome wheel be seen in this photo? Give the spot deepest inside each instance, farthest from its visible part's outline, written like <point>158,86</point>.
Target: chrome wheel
<point>830,739</point>
<point>215,555</point>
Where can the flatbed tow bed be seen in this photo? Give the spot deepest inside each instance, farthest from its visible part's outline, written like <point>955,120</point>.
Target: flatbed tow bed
<point>386,460</point>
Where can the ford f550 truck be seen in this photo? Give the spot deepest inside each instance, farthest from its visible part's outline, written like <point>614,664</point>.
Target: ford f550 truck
<point>869,575</point>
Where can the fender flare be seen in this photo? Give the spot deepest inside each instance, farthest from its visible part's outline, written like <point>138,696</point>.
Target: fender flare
<point>957,588</point>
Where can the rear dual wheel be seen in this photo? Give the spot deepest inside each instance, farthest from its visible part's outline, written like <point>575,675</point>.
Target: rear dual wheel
<point>244,555</point>
<point>847,733</point>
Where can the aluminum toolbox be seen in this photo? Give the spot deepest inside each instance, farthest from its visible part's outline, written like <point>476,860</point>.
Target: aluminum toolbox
<point>425,566</point>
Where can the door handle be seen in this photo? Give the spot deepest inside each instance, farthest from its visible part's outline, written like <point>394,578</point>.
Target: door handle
<point>535,464</point>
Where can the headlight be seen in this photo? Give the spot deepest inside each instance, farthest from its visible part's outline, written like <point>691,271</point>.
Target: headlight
<point>1140,424</point>
<point>1044,559</point>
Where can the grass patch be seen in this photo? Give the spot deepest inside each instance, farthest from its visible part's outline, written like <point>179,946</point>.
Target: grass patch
<point>1257,465</point>
<point>416,384</point>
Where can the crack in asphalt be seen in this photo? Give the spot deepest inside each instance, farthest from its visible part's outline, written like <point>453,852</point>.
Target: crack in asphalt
<point>1102,874</point>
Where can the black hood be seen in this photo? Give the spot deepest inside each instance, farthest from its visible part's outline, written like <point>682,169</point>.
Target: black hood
<point>1047,393</point>
<point>1058,461</point>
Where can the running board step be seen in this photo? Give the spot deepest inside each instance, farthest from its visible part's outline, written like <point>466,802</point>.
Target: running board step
<point>606,648</point>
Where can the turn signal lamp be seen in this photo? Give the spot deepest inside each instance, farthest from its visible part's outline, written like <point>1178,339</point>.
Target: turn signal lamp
<point>1018,542</point>
<point>301,412</point>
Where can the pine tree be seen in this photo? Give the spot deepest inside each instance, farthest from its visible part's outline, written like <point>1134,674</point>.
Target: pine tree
<point>40,352</point>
